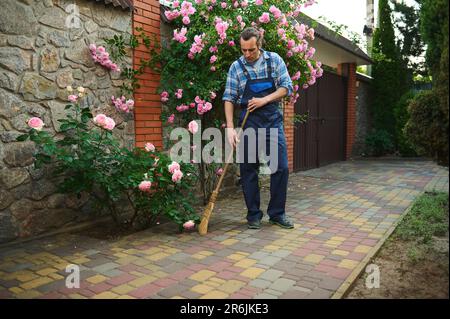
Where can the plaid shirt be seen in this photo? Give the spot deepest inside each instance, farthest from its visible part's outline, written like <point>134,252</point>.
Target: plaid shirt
<point>236,79</point>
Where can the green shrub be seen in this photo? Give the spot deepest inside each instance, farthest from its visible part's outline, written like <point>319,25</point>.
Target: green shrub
<point>378,143</point>
<point>427,127</point>
<point>401,117</point>
<point>89,160</point>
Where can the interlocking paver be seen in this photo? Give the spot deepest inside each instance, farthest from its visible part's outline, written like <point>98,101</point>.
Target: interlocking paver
<point>340,213</point>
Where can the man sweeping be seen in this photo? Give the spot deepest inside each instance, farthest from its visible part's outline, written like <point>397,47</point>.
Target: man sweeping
<point>256,83</point>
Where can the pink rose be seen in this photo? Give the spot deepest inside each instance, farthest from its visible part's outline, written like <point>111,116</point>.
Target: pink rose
<point>149,147</point>
<point>171,118</point>
<point>189,225</point>
<point>100,120</point>
<point>144,186</point>
<point>72,98</point>
<point>177,176</point>
<point>264,18</point>
<point>212,59</point>
<point>36,123</point>
<point>174,167</point>
<point>193,127</point>
<point>179,93</point>
<point>164,96</point>
<point>219,171</point>
<point>109,124</point>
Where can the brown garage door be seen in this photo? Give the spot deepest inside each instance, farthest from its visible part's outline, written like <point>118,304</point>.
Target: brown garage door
<point>321,140</point>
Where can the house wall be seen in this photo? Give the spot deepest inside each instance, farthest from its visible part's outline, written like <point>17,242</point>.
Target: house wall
<point>147,100</point>
<point>363,119</point>
<point>39,57</point>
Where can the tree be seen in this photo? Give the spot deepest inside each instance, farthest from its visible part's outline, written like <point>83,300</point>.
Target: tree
<point>434,29</point>
<point>387,85</point>
<point>407,22</point>
<point>427,128</point>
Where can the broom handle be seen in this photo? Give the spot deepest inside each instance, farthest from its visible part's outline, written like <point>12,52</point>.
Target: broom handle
<point>231,155</point>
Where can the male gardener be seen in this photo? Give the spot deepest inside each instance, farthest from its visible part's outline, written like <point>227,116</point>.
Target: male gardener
<point>256,82</point>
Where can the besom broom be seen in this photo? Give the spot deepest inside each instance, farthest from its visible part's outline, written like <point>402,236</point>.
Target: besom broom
<point>203,227</point>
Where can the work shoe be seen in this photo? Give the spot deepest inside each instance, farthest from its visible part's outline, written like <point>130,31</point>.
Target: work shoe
<point>282,222</point>
<point>256,224</point>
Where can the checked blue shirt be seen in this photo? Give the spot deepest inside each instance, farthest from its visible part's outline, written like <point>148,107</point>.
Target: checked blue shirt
<point>236,79</point>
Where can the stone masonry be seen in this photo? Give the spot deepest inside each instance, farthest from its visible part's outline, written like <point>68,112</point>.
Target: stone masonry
<point>39,57</point>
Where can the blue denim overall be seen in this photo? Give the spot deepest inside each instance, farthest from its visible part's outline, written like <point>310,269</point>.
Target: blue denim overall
<point>268,116</point>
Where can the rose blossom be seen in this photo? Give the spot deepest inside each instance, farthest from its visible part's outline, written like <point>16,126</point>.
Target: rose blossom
<point>36,123</point>
<point>173,167</point>
<point>189,225</point>
<point>176,176</point>
<point>149,147</point>
<point>144,186</point>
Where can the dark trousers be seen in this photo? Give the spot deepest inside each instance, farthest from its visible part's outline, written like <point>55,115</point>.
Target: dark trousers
<point>278,178</point>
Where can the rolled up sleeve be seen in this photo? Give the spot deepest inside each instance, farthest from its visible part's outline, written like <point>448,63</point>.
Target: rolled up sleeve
<point>231,88</point>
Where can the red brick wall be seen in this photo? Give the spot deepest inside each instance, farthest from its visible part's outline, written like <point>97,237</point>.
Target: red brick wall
<point>349,70</point>
<point>289,132</point>
<point>147,110</point>
<point>351,109</point>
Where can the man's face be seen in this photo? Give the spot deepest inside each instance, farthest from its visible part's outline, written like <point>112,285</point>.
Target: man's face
<point>250,49</point>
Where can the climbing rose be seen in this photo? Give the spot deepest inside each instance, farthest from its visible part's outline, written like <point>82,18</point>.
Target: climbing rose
<point>189,225</point>
<point>109,124</point>
<point>176,176</point>
<point>144,186</point>
<point>100,119</point>
<point>164,96</point>
<point>72,98</point>
<point>36,123</point>
<point>173,167</point>
<point>193,127</point>
<point>149,147</point>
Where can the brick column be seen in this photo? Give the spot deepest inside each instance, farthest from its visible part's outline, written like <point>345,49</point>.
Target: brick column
<point>349,70</point>
<point>147,109</point>
<point>289,132</point>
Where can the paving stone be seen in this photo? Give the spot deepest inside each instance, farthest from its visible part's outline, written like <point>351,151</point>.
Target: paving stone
<point>271,275</point>
<point>260,283</point>
<point>282,284</point>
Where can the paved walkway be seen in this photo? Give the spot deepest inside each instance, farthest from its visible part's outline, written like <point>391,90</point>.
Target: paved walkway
<point>342,213</point>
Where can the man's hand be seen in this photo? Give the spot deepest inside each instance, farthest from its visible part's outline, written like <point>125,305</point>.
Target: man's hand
<point>232,137</point>
<point>256,103</point>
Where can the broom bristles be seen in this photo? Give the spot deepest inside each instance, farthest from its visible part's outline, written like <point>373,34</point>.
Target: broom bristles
<point>203,227</point>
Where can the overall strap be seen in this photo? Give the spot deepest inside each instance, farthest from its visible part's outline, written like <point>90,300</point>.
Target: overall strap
<point>247,75</point>
<point>269,66</point>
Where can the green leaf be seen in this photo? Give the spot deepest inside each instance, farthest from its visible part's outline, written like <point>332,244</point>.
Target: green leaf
<point>22,137</point>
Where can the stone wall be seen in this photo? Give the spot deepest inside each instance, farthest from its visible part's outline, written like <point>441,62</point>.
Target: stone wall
<point>39,57</point>
<point>363,124</point>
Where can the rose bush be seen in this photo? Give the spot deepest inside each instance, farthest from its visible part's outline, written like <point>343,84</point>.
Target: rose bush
<point>90,160</point>
<point>195,62</point>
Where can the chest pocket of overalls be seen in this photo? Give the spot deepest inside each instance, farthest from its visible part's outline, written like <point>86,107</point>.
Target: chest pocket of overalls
<point>262,87</point>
